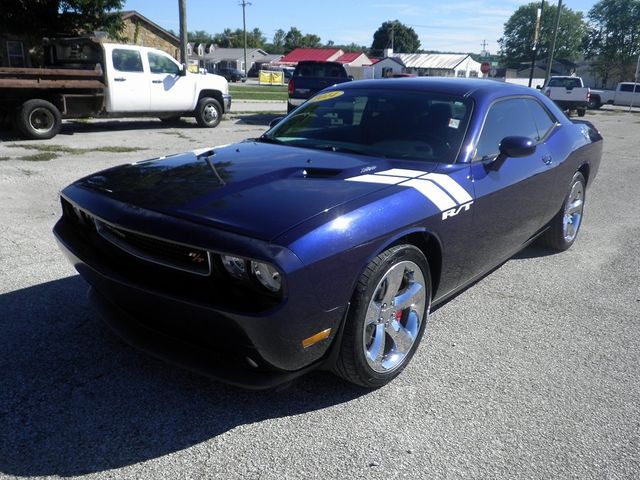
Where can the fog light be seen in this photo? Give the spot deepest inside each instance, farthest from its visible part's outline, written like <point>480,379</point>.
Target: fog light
<point>267,275</point>
<point>235,266</point>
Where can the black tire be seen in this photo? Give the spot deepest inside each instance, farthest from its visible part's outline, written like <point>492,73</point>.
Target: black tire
<point>38,120</point>
<point>560,235</point>
<point>582,112</point>
<point>290,108</point>
<point>375,286</point>
<point>208,112</point>
<point>594,103</point>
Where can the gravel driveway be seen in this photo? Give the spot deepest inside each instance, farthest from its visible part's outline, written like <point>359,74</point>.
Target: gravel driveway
<point>531,373</point>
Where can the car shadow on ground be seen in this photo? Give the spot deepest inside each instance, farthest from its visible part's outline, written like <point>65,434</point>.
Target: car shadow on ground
<point>258,118</point>
<point>76,400</point>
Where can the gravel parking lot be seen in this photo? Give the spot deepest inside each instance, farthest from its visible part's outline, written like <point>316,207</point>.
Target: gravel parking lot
<point>531,373</point>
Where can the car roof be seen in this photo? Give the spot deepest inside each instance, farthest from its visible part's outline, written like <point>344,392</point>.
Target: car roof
<point>464,87</point>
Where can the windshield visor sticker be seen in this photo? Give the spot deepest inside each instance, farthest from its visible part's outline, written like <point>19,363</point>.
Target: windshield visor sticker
<point>441,190</point>
<point>325,96</point>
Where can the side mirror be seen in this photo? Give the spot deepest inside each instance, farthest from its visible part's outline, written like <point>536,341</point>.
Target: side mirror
<point>513,147</point>
<point>183,70</point>
<point>275,121</point>
<point>539,87</point>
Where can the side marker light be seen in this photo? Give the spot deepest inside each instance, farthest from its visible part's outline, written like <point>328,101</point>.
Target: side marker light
<point>313,339</point>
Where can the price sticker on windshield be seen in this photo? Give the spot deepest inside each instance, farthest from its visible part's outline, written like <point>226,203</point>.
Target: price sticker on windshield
<point>326,96</point>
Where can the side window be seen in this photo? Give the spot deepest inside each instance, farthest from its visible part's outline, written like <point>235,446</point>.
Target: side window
<point>505,118</point>
<point>126,60</point>
<point>161,64</point>
<point>626,88</point>
<point>543,120</point>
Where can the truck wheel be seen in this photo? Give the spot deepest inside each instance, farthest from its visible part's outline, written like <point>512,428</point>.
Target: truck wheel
<point>594,103</point>
<point>38,120</point>
<point>208,112</point>
<point>582,112</point>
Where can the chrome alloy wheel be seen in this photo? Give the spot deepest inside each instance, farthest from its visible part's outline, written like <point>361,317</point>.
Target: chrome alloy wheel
<point>394,317</point>
<point>41,120</point>
<point>210,114</point>
<point>573,212</point>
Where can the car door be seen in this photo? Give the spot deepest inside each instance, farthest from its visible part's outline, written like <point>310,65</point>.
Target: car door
<point>128,82</point>
<point>170,91</point>
<point>512,195</point>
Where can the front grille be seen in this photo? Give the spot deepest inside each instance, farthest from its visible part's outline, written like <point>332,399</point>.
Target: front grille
<point>169,254</point>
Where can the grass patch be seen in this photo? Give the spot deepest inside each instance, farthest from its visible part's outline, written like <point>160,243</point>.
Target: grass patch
<point>49,152</point>
<point>39,157</point>
<point>175,133</point>
<point>259,92</point>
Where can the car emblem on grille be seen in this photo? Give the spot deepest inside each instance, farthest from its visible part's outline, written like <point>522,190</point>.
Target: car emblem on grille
<point>196,257</point>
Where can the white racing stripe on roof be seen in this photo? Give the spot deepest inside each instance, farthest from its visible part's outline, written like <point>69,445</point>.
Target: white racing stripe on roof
<point>376,179</point>
<point>401,172</point>
<point>433,193</point>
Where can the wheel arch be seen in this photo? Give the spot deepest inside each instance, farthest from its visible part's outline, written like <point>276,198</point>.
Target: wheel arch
<point>584,169</point>
<point>217,94</point>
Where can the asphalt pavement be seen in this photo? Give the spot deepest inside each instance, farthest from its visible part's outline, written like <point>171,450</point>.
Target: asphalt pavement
<point>531,373</point>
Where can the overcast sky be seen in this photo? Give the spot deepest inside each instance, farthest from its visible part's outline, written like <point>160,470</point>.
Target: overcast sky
<point>453,25</point>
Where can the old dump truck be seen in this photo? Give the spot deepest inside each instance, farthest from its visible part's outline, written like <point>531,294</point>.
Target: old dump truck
<point>84,77</point>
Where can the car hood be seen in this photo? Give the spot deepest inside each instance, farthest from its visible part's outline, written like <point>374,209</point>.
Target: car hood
<point>256,189</point>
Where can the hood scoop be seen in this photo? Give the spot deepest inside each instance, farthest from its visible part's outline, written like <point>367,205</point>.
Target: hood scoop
<point>321,172</point>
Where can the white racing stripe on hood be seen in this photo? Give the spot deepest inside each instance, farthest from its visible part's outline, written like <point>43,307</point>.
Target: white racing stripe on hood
<point>377,179</point>
<point>450,186</point>
<point>433,192</point>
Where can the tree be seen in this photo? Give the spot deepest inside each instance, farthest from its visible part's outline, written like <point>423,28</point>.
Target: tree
<point>614,38</point>
<point>235,38</point>
<point>517,40</point>
<point>48,18</point>
<point>394,34</point>
<point>199,36</point>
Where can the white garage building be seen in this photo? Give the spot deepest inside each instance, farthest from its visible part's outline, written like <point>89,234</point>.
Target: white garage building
<point>428,65</point>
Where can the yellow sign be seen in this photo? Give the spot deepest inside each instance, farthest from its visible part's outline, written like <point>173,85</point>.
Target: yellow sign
<point>267,77</point>
<point>326,96</point>
<point>193,68</point>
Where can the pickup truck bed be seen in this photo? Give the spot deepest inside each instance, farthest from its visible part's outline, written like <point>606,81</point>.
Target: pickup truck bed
<point>45,78</point>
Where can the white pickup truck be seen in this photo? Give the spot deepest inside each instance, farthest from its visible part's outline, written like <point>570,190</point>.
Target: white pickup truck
<point>625,94</point>
<point>86,78</point>
<point>569,93</point>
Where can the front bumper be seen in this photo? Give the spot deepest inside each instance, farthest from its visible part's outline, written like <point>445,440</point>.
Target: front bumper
<point>226,100</point>
<point>251,348</point>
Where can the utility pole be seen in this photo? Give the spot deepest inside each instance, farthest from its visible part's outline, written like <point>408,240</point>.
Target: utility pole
<point>182,12</point>
<point>635,87</point>
<point>244,4</point>
<point>553,43</point>
<point>536,36</point>
<point>483,52</point>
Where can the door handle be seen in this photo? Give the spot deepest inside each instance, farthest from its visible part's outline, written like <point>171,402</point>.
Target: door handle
<point>120,79</point>
<point>547,159</point>
<point>156,81</point>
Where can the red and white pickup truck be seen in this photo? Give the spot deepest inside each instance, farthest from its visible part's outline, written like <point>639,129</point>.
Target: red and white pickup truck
<point>86,78</point>
<point>569,93</point>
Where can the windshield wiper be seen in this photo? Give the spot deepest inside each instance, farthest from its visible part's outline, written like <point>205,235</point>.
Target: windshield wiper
<point>339,148</point>
<point>265,139</point>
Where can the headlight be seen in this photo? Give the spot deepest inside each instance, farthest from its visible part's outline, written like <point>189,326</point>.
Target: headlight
<point>235,266</point>
<point>267,275</point>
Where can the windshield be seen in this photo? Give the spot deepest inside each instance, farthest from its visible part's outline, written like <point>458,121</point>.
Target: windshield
<point>397,124</point>
<point>565,82</point>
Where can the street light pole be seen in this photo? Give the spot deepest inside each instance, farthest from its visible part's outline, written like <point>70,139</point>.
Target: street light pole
<point>536,35</point>
<point>244,4</point>
<point>553,43</point>
<point>182,13</point>
<point>635,86</point>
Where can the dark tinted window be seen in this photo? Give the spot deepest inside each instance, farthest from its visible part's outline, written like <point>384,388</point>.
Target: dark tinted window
<point>127,60</point>
<point>388,123</point>
<point>506,118</point>
<point>321,69</point>
<point>626,88</point>
<point>161,64</point>
<point>565,82</point>
<point>541,117</point>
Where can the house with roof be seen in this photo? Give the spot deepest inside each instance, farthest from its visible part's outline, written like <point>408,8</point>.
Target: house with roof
<point>26,51</point>
<point>296,55</point>
<point>218,58</point>
<point>439,64</point>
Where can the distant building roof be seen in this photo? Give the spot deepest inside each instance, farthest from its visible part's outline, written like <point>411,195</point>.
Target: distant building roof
<point>220,54</point>
<point>348,57</point>
<point>318,54</point>
<point>438,61</point>
<point>130,14</point>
